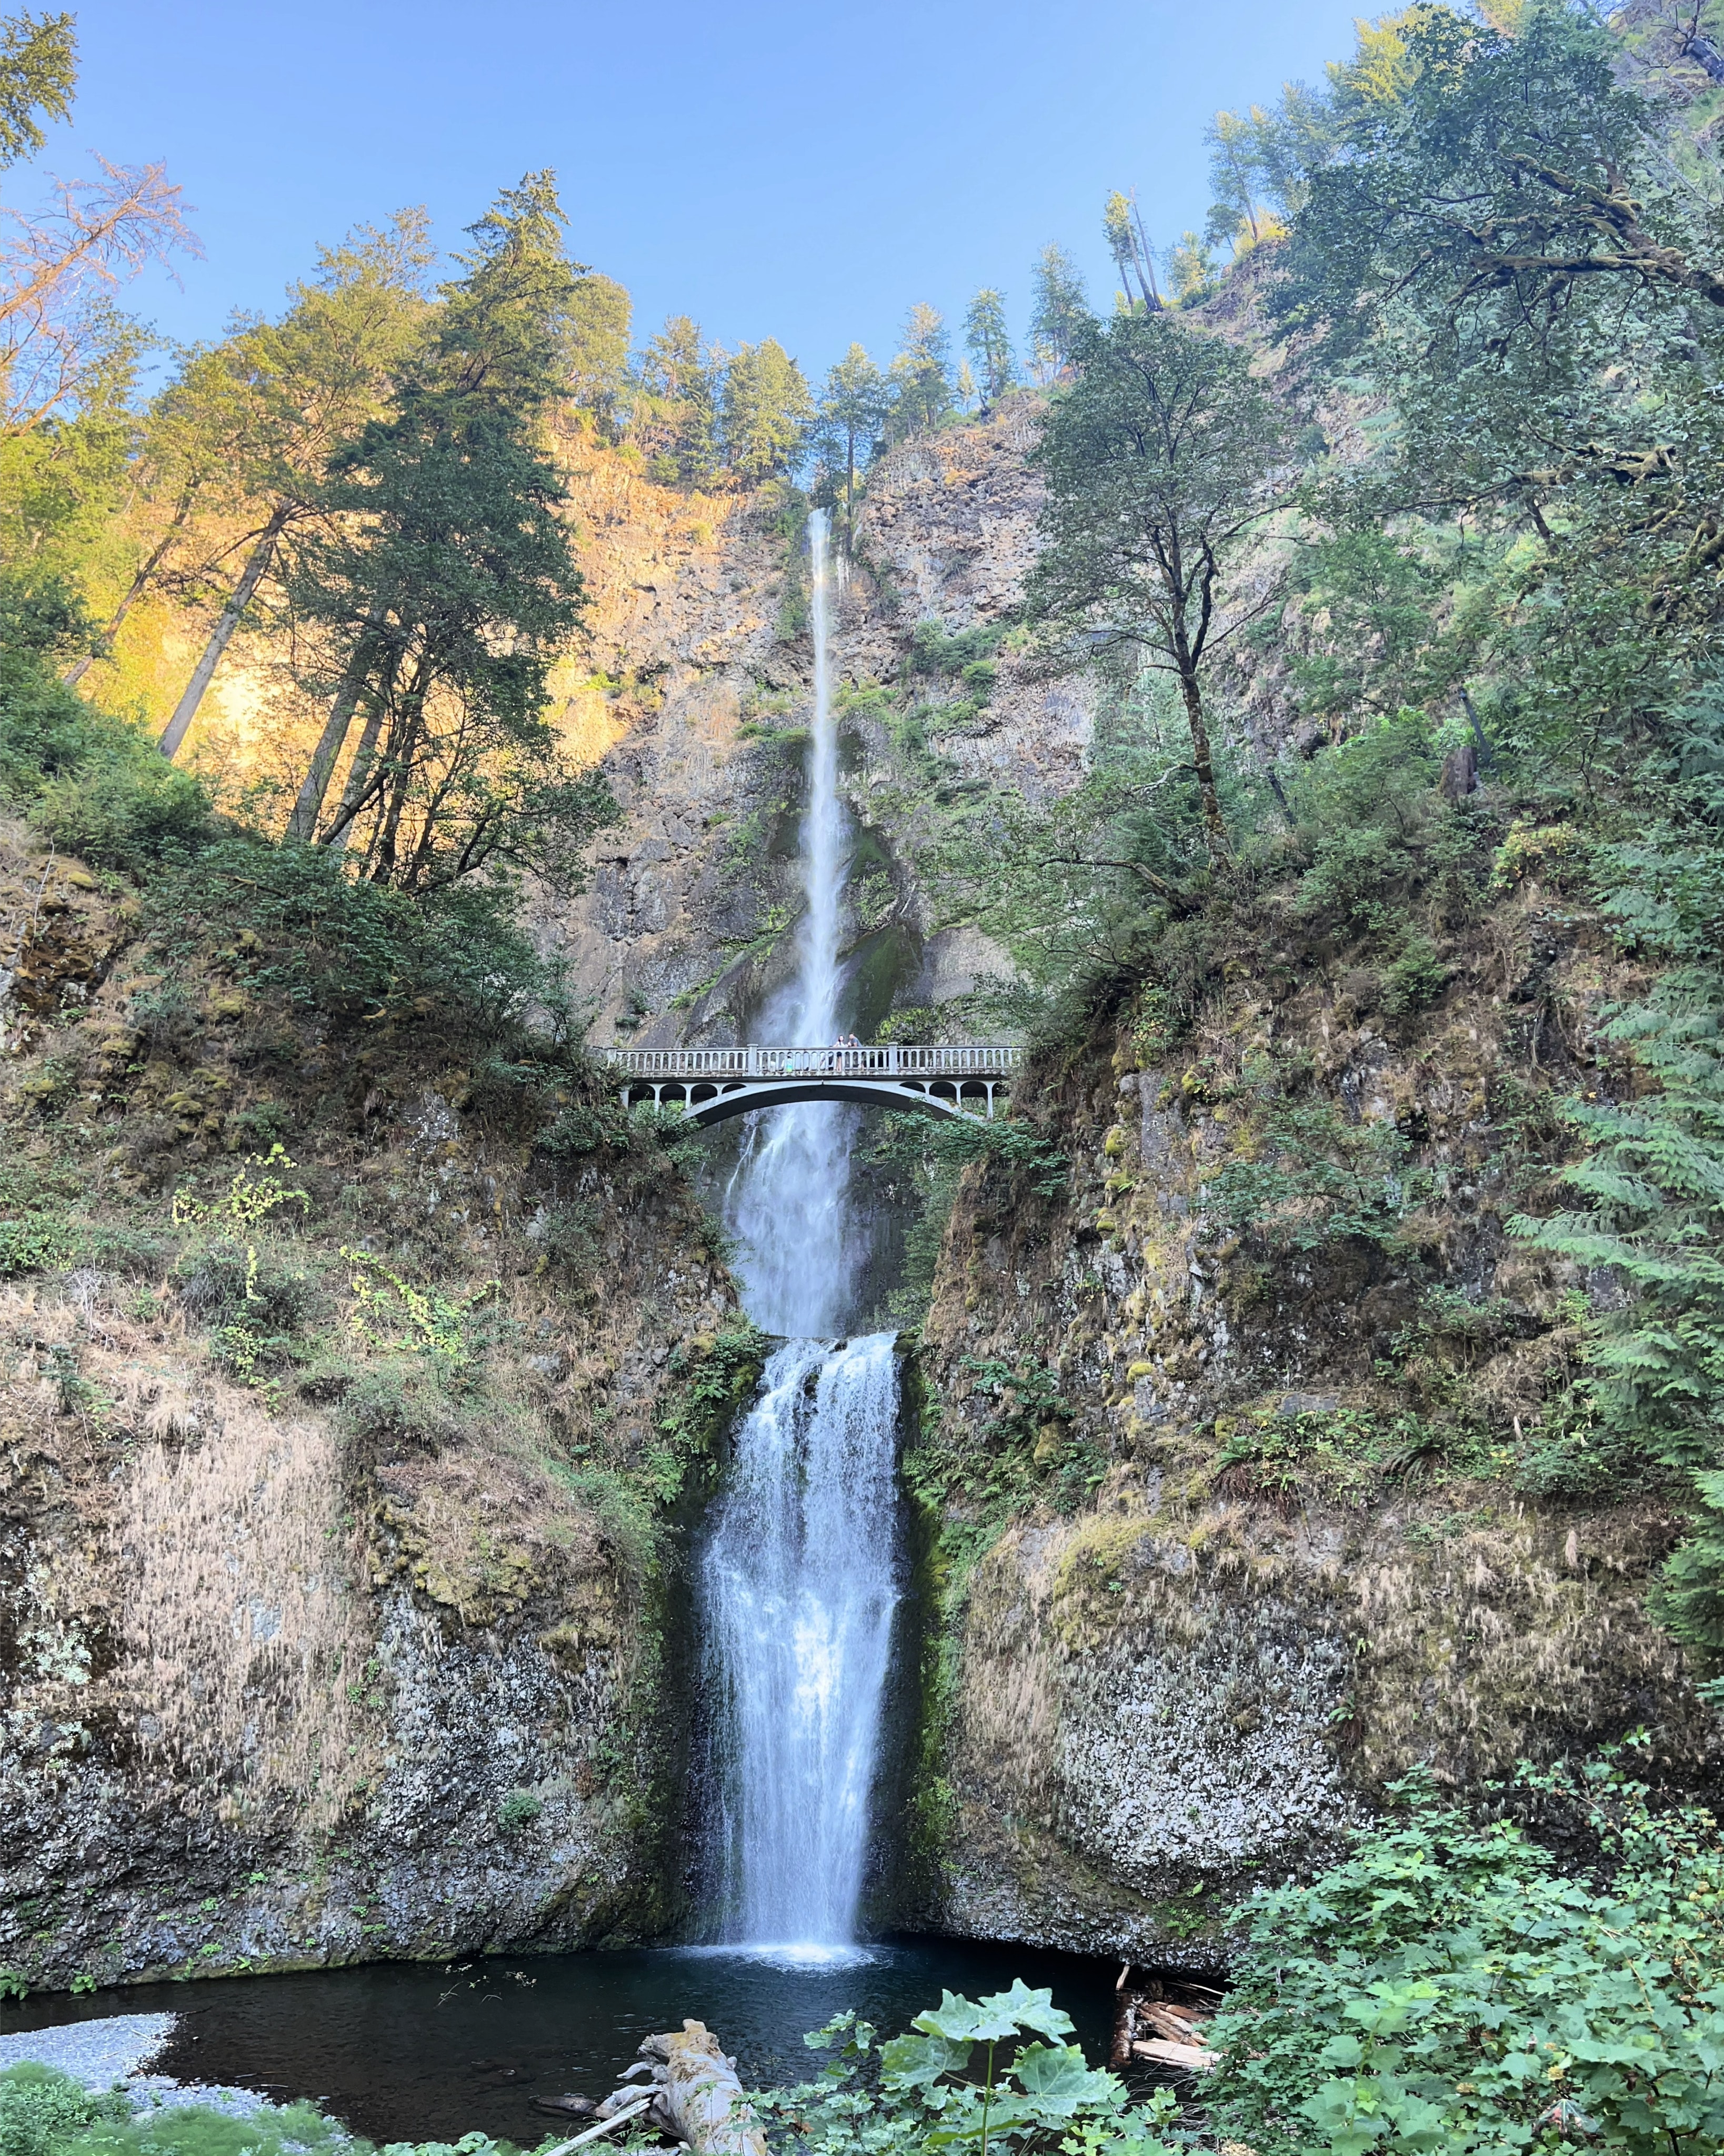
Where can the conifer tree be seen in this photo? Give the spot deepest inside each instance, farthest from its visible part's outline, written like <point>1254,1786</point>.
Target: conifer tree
<point>678,425</point>
<point>989,344</point>
<point>767,413</point>
<point>1061,309</point>
<point>853,413</point>
<point>38,71</point>
<point>920,379</point>
<point>256,419</point>
<point>600,315</point>
<point>448,576</point>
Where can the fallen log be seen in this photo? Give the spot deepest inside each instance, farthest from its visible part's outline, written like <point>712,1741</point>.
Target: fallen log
<point>1157,2051</point>
<point>1182,2025</point>
<point>695,2094</point>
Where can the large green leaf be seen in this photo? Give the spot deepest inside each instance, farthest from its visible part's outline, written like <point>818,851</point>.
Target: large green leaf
<point>1028,2009</point>
<point>964,2022</point>
<point>1058,2079</point>
<point>909,2062</point>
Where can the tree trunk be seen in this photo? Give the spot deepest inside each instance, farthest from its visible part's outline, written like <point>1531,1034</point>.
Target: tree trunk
<point>103,645</point>
<point>302,824</point>
<point>358,778</point>
<point>222,634</point>
<point>696,2093</point>
<point>1214,829</point>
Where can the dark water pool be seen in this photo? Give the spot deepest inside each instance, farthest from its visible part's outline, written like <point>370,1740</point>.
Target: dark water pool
<point>404,2051</point>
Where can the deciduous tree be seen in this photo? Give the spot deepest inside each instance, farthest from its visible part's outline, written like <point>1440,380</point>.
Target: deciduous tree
<point>1161,461</point>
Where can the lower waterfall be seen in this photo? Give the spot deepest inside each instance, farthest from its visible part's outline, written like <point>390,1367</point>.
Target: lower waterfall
<point>798,1586</point>
<point>799,1578</point>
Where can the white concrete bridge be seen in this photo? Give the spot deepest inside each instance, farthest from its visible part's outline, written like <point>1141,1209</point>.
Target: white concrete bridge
<point>711,1085</point>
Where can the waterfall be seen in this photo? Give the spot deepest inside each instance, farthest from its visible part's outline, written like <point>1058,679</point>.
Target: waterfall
<point>798,1579</point>
<point>787,1203</point>
<point>799,1583</point>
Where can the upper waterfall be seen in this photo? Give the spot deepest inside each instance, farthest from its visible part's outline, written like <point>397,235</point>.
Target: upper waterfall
<point>788,1204</point>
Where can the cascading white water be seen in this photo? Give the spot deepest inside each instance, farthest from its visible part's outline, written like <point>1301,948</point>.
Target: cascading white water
<point>798,1579</point>
<point>787,1203</point>
<point>799,1584</point>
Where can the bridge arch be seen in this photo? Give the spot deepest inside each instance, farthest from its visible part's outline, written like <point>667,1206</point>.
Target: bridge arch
<point>711,1084</point>
<point>710,1104</point>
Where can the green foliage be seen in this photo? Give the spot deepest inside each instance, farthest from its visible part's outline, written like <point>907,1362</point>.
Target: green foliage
<point>355,950</point>
<point>767,413</point>
<point>989,343</point>
<point>298,2129</point>
<point>36,1242</point>
<point>933,650</point>
<point>1689,1599</point>
<point>41,2110</point>
<point>517,1808</point>
<point>398,1315</point>
<point>927,2090</point>
<point>1161,463</point>
<point>38,68</point>
<point>920,380</point>
<point>1060,312</point>
<point>1447,1987</point>
<point>675,417</point>
<point>1318,1179</point>
<point>716,1375</point>
<point>92,783</point>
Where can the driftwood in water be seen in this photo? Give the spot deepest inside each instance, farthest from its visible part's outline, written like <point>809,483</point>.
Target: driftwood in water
<point>1161,2021</point>
<point>695,2094</point>
<point>1157,2051</point>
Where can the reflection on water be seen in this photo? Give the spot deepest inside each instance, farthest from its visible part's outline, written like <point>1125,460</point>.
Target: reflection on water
<point>402,2052</point>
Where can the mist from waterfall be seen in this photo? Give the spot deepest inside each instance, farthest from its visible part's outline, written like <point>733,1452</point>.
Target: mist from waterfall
<point>799,1574</point>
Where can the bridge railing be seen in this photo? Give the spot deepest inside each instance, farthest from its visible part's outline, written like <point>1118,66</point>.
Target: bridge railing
<point>965,1061</point>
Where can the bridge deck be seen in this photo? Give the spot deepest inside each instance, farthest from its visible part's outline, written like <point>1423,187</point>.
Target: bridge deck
<point>962,1061</point>
<point>713,1084</point>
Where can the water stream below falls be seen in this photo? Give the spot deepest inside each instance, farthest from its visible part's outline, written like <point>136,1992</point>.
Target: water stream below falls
<point>800,1571</point>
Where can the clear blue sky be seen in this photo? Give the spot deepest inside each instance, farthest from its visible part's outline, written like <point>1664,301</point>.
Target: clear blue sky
<point>799,172</point>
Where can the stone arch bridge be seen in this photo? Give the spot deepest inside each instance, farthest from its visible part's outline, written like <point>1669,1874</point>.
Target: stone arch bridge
<point>711,1085</point>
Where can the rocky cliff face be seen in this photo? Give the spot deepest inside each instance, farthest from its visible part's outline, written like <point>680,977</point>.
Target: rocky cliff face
<point>1272,1544</point>
<point>690,921</point>
<point>340,1562</point>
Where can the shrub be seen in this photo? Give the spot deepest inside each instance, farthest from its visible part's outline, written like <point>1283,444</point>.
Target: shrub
<point>1318,1180</point>
<point>40,2110</point>
<point>354,949</point>
<point>566,1241</point>
<point>1446,1987</point>
<point>517,1808</point>
<point>963,2075</point>
<point>92,782</point>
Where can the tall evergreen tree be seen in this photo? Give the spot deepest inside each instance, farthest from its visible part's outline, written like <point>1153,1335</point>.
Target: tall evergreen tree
<point>853,414</point>
<point>989,344</point>
<point>600,315</point>
<point>921,377</point>
<point>1060,311</point>
<point>447,574</point>
<point>767,413</point>
<point>677,425</point>
<point>254,422</point>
